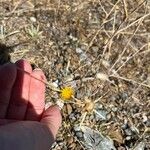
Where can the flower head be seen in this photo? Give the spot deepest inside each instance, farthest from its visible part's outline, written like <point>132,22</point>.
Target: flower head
<point>67,93</point>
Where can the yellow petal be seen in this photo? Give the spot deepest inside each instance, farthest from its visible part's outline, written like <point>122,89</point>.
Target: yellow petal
<point>67,93</point>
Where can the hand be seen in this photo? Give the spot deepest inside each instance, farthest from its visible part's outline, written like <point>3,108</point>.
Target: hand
<point>22,109</point>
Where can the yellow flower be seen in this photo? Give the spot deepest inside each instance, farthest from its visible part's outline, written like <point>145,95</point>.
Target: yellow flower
<point>67,93</point>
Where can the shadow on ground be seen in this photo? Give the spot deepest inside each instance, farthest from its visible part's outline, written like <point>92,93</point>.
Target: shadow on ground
<point>4,53</point>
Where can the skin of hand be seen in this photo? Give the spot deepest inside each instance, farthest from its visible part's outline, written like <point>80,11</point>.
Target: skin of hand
<point>24,122</point>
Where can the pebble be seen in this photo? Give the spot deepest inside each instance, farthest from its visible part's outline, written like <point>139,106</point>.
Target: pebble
<point>95,49</point>
<point>124,126</point>
<point>113,98</point>
<point>128,132</point>
<point>78,95</point>
<point>72,117</point>
<point>79,134</point>
<point>79,50</point>
<point>128,138</point>
<point>83,56</point>
<point>98,106</point>
<point>140,146</point>
<point>109,116</point>
<point>101,115</point>
<point>134,129</point>
<point>69,78</point>
<point>78,116</point>
<point>105,63</point>
<point>124,96</point>
<point>72,38</point>
<point>91,117</point>
<point>114,109</point>
<point>144,118</point>
<point>147,123</point>
<point>102,76</point>
<point>55,83</point>
<point>148,79</point>
<point>33,19</point>
<point>69,108</point>
<point>77,128</point>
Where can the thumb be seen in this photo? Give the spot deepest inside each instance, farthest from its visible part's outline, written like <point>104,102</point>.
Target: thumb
<point>52,119</point>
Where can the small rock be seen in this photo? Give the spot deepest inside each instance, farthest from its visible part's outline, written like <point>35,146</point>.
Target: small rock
<point>69,108</point>
<point>77,128</point>
<point>113,98</point>
<point>128,138</point>
<point>95,48</point>
<point>105,63</point>
<point>91,117</point>
<point>96,141</point>
<point>124,126</point>
<point>134,129</point>
<point>69,78</point>
<point>102,76</point>
<point>140,146</point>
<point>79,134</point>
<point>124,96</point>
<point>147,123</point>
<point>33,19</point>
<point>144,118</point>
<point>109,116</point>
<point>114,109</point>
<point>83,56</point>
<point>72,117</point>
<point>128,132</point>
<point>148,79</point>
<point>55,83</point>
<point>101,115</point>
<point>72,37</point>
<point>79,50</point>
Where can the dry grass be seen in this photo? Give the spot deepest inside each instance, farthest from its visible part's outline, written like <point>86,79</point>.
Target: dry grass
<point>73,41</point>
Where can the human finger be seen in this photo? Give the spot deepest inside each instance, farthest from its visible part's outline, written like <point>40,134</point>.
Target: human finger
<point>36,96</point>
<point>52,118</point>
<point>20,91</point>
